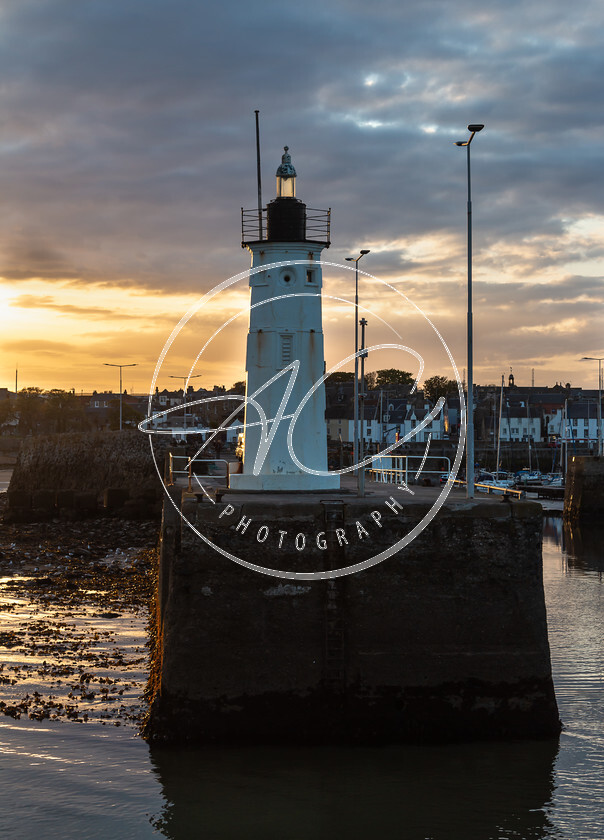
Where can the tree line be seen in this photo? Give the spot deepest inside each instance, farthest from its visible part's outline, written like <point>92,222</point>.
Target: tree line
<point>433,388</point>
<point>46,412</point>
<point>35,411</point>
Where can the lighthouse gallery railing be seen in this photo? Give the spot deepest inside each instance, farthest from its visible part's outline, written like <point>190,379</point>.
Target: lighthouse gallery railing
<point>318,223</point>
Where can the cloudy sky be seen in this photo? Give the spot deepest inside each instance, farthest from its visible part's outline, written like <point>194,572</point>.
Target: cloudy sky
<point>128,148</point>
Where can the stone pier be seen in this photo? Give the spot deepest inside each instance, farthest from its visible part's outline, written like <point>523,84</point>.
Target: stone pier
<point>584,490</point>
<point>446,639</point>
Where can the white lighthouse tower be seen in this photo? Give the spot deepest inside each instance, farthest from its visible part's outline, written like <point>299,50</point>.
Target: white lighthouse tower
<point>285,345</point>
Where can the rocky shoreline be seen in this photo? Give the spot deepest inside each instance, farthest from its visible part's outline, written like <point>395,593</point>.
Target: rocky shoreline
<point>74,607</point>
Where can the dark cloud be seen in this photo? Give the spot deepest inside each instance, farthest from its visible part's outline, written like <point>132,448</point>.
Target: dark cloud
<point>127,139</point>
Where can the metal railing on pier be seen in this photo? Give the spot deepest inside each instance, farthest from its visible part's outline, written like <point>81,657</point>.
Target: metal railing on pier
<point>183,466</point>
<point>495,489</point>
<point>392,469</point>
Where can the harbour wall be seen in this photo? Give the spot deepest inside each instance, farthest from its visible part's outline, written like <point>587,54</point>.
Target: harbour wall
<point>444,640</point>
<point>83,474</point>
<point>584,490</point>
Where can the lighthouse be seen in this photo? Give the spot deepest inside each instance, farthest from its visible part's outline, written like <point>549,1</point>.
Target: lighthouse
<point>285,447</point>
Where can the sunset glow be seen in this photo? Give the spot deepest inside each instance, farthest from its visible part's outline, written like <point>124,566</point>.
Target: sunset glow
<point>121,183</point>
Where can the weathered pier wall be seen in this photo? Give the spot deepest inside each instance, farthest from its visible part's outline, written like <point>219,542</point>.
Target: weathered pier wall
<point>84,474</point>
<point>584,490</point>
<point>446,639</point>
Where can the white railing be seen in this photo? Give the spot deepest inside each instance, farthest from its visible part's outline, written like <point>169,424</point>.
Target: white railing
<point>182,465</point>
<point>398,469</point>
<point>392,469</point>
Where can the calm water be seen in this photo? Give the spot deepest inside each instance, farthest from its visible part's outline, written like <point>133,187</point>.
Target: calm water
<point>68,780</point>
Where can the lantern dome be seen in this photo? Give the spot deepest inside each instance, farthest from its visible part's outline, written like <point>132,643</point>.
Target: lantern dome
<point>286,176</point>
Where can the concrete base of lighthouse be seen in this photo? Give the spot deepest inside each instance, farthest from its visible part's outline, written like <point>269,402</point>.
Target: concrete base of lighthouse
<point>284,482</point>
<point>444,640</point>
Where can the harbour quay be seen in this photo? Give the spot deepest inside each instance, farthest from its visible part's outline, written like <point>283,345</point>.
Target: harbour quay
<point>443,638</point>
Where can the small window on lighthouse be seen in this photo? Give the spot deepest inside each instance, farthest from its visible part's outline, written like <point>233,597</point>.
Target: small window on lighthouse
<point>310,275</point>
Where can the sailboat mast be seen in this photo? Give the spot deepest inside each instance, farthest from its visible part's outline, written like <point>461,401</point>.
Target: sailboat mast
<point>499,427</point>
<point>564,445</point>
<point>528,430</point>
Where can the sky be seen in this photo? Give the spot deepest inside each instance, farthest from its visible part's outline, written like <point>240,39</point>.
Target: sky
<point>127,149</point>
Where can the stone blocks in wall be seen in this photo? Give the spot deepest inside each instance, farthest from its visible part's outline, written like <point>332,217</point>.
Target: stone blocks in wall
<point>40,505</point>
<point>584,490</point>
<point>65,499</point>
<point>445,640</point>
<point>19,499</point>
<point>43,500</point>
<point>115,498</point>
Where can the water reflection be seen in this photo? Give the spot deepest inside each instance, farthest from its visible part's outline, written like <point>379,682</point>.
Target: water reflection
<point>553,530</point>
<point>574,597</point>
<point>72,780</point>
<point>584,546</point>
<point>458,792</point>
<point>482,791</point>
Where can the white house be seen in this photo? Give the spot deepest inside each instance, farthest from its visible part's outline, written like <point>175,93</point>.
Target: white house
<point>581,422</point>
<point>520,424</point>
<point>399,419</point>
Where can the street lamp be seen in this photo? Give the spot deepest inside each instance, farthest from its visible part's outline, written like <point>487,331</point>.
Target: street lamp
<point>185,379</point>
<point>355,449</point>
<point>599,360</point>
<point>473,129</point>
<point>364,354</point>
<point>109,364</point>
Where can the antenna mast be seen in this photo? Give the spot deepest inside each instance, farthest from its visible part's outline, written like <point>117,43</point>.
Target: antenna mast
<point>259,176</point>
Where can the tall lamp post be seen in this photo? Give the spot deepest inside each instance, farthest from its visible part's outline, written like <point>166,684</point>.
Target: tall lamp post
<point>364,354</point>
<point>109,364</point>
<point>599,360</point>
<point>473,129</point>
<point>185,379</point>
<point>355,452</point>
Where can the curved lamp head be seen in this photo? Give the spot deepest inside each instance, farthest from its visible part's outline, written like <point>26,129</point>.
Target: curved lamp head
<point>474,127</point>
<point>356,259</point>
